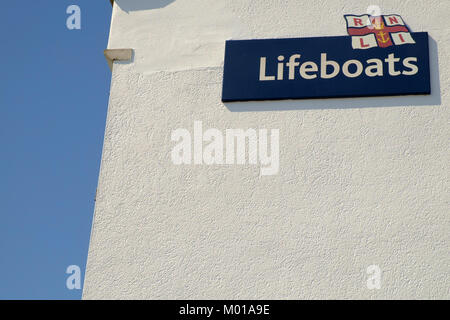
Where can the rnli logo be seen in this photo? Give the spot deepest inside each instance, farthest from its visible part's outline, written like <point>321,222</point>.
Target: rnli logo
<point>380,31</point>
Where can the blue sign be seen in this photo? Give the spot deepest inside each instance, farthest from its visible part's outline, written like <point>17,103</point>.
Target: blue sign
<point>325,67</point>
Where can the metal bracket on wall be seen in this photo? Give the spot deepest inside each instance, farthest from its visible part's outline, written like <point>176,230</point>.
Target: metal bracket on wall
<point>112,55</point>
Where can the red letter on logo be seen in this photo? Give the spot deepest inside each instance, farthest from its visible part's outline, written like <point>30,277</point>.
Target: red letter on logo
<point>363,45</point>
<point>357,21</point>
<point>393,20</point>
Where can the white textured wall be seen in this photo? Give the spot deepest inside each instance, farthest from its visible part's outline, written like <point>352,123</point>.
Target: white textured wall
<point>362,181</point>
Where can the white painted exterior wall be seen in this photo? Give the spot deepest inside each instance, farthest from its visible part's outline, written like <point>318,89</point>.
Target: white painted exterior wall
<point>362,181</point>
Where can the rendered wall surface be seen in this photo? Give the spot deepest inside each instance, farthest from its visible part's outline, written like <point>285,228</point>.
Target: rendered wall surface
<point>362,181</point>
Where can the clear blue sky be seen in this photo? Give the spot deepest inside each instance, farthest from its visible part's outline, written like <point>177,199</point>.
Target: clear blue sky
<point>54,94</point>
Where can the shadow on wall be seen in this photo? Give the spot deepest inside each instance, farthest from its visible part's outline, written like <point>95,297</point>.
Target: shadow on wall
<point>135,5</point>
<point>434,99</point>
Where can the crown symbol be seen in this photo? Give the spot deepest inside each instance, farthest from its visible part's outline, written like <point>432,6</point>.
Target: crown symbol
<point>378,23</point>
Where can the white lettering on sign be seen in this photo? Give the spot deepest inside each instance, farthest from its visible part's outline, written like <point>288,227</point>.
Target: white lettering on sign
<point>329,69</point>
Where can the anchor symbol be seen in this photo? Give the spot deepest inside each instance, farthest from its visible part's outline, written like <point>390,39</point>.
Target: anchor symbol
<point>382,38</point>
